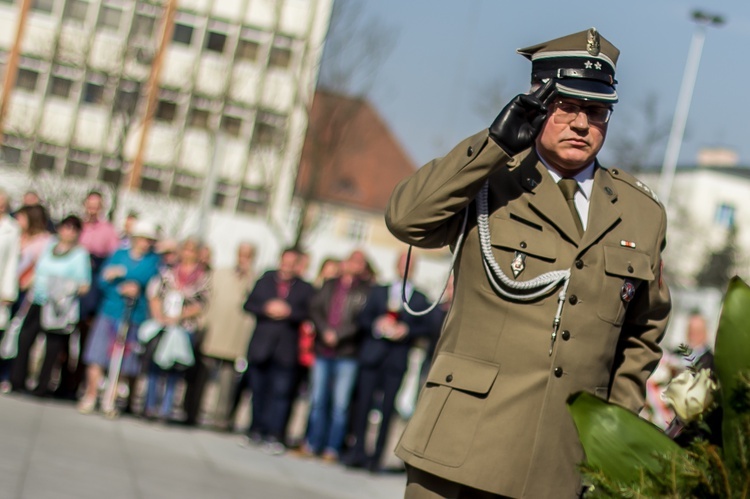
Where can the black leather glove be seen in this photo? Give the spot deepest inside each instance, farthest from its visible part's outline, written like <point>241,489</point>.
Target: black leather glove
<point>518,124</point>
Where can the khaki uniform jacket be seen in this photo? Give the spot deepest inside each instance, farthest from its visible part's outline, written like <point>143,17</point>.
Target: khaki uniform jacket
<point>492,414</point>
<point>228,326</point>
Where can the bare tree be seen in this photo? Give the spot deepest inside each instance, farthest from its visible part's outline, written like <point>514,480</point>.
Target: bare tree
<point>637,144</point>
<point>356,47</point>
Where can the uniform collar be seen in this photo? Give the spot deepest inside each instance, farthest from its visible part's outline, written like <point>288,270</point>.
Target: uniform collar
<point>584,178</point>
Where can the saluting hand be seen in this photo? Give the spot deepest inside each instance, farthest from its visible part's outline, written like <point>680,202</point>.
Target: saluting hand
<point>518,124</point>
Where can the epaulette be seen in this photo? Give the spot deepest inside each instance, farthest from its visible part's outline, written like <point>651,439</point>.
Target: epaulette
<point>618,174</point>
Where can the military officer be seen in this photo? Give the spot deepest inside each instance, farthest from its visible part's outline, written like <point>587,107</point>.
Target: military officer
<point>558,285</point>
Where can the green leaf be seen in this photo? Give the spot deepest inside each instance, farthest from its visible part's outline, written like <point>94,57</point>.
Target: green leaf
<point>731,357</point>
<point>618,442</point>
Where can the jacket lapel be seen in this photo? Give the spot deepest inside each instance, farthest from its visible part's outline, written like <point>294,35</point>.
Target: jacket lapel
<point>603,210</point>
<point>547,199</point>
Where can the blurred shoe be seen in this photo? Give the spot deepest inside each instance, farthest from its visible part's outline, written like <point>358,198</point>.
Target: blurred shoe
<point>252,439</point>
<point>87,405</point>
<point>273,447</point>
<point>354,461</point>
<point>330,457</point>
<point>5,387</point>
<point>304,451</point>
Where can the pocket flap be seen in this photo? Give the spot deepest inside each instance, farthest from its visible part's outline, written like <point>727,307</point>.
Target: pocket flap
<point>627,262</point>
<point>463,373</point>
<point>517,236</point>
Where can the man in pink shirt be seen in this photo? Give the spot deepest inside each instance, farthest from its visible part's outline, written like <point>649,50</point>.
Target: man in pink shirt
<point>99,237</point>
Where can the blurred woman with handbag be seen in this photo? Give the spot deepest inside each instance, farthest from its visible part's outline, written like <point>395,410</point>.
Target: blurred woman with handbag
<point>62,273</point>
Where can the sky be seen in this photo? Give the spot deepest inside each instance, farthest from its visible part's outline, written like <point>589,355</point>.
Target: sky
<point>450,57</point>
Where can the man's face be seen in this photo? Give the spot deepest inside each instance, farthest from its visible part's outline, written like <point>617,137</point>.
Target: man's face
<point>93,206</point>
<point>287,265</point>
<point>570,147</point>
<point>356,264</point>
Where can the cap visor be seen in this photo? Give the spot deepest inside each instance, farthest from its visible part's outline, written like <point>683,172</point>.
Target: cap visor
<point>579,88</point>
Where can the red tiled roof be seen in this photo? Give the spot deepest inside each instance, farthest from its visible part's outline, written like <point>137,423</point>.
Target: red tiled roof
<point>356,159</point>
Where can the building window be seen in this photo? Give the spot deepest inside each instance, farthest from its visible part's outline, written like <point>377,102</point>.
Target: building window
<point>231,125</point>
<point>60,87</point>
<point>43,6</point>
<point>93,93</point>
<point>76,10</point>
<point>143,27</point>
<point>280,57</point>
<point>10,155</point>
<point>109,18</point>
<point>185,186</point>
<point>725,214</point>
<point>216,42</point>
<point>42,162</point>
<point>247,50</point>
<point>126,99</point>
<point>198,118</point>
<point>166,111</point>
<point>252,200</point>
<point>223,194</point>
<point>183,34</point>
<point>27,79</point>
<point>356,230</point>
<point>76,169</point>
<point>110,176</point>
<point>150,184</point>
<point>269,129</point>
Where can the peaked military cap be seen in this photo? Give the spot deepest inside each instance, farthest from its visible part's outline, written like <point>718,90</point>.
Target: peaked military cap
<point>583,63</point>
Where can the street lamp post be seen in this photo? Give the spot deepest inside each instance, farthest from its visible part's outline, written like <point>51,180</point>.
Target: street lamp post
<point>702,20</point>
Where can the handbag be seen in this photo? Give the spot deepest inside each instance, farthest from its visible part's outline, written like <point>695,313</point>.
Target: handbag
<point>9,343</point>
<point>61,312</point>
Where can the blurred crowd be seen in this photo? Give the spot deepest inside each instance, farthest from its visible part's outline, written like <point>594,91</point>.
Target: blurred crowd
<point>83,303</point>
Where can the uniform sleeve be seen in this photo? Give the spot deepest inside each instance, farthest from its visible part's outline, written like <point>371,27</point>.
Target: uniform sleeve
<point>638,351</point>
<point>423,208</point>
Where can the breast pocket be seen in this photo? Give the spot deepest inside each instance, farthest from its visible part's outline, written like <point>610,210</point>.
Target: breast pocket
<point>443,427</point>
<point>625,271</point>
<point>533,248</point>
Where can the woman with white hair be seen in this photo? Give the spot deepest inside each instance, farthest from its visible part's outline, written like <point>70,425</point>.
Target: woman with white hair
<point>122,283</point>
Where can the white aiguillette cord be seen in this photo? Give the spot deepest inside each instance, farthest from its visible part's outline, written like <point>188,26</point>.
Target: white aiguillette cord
<point>501,283</point>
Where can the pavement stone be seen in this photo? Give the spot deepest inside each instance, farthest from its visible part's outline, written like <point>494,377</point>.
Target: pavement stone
<point>49,451</point>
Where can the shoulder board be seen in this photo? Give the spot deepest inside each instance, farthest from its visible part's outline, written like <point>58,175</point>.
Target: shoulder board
<point>627,178</point>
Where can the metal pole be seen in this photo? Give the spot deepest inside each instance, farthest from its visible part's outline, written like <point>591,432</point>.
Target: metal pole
<point>209,186</point>
<point>152,92</point>
<point>11,69</point>
<point>681,114</point>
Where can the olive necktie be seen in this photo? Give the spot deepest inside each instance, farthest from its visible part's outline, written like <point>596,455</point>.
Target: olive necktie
<point>569,186</point>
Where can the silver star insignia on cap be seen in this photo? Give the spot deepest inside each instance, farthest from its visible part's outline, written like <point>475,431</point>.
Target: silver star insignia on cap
<point>598,66</point>
<point>588,64</point>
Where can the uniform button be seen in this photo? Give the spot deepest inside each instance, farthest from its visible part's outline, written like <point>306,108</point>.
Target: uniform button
<point>566,335</point>
<point>523,244</point>
<point>579,264</point>
<point>630,269</point>
<point>449,378</point>
<point>470,151</point>
<point>558,372</point>
<point>573,300</point>
<point>616,172</point>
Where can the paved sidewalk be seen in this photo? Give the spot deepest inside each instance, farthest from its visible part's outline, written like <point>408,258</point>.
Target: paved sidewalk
<point>48,450</point>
